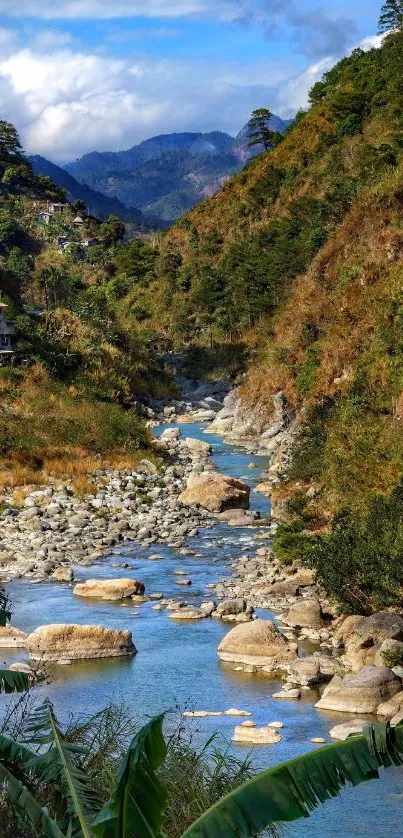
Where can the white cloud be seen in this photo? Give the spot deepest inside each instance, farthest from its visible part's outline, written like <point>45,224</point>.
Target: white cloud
<point>104,9</point>
<point>66,101</point>
<point>49,38</point>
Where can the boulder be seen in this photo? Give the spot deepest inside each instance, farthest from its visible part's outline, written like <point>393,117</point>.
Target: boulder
<point>392,706</point>
<point>258,643</point>
<point>170,435</point>
<point>362,637</point>
<point>197,447</point>
<point>66,643</point>
<point>215,492</point>
<point>305,672</point>
<point>345,730</point>
<point>12,638</point>
<point>362,692</point>
<point>307,613</point>
<point>312,670</point>
<point>255,735</point>
<point>109,589</point>
<point>62,574</point>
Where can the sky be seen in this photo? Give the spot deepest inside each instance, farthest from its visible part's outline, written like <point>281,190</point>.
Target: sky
<point>84,75</point>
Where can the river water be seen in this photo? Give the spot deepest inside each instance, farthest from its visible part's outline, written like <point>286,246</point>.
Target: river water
<point>177,666</point>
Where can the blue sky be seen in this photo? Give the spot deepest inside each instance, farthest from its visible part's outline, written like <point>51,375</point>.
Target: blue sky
<point>77,75</point>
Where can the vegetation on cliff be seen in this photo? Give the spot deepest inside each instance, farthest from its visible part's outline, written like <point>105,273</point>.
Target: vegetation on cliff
<point>300,257</point>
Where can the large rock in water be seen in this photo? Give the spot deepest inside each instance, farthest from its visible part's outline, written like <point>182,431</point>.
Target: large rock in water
<point>12,638</point>
<point>66,643</point>
<point>109,589</point>
<point>215,492</point>
<point>362,692</point>
<point>197,447</point>
<point>362,637</point>
<point>258,644</point>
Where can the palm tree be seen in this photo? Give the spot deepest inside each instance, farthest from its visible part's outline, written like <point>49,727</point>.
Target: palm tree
<point>136,805</point>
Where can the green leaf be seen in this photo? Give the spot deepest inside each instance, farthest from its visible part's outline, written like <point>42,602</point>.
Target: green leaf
<point>135,808</point>
<point>293,789</point>
<point>59,765</point>
<point>13,682</point>
<point>15,774</point>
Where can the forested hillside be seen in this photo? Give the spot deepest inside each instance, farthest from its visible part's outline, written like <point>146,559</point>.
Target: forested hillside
<point>97,203</point>
<point>167,175</point>
<point>78,364</point>
<point>300,257</point>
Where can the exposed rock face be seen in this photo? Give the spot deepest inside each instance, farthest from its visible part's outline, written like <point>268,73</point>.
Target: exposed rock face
<point>259,644</point>
<point>362,692</point>
<point>109,589</point>
<point>12,638</point>
<point>362,637</point>
<point>66,643</point>
<point>246,735</point>
<point>215,492</point>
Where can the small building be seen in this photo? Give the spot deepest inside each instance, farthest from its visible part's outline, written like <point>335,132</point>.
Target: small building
<point>6,336</point>
<point>44,217</point>
<point>57,208</point>
<point>78,220</point>
<point>90,242</point>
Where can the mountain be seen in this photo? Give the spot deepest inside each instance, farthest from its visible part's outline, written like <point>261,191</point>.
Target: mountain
<point>98,204</point>
<point>167,175</point>
<point>297,265</point>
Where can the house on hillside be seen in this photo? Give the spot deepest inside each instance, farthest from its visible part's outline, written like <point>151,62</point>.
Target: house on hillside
<point>57,208</point>
<point>90,242</point>
<point>78,220</point>
<point>6,336</point>
<point>44,217</point>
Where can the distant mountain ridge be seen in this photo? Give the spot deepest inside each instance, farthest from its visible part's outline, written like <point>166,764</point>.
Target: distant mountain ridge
<point>167,175</point>
<point>97,203</point>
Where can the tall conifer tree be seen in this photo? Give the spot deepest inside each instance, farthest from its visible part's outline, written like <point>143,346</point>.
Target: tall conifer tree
<point>391,16</point>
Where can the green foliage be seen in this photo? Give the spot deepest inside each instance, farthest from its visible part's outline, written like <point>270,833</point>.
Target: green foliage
<point>359,561</point>
<point>49,787</point>
<point>139,797</point>
<point>308,455</point>
<point>292,790</point>
<point>392,657</point>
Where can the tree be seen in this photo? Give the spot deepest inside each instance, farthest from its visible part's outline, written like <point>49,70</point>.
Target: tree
<point>259,132</point>
<point>391,16</point>
<point>79,207</point>
<point>138,800</point>
<point>112,230</point>
<point>10,145</point>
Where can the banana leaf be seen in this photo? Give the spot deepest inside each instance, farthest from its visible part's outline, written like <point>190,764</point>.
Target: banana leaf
<point>293,789</point>
<point>59,763</point>
<point>135,808</point>
<point>16,769</point>
<point>13,682</point>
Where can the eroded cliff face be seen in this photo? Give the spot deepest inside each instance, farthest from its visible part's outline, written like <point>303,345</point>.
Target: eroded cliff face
<point>268,429</point>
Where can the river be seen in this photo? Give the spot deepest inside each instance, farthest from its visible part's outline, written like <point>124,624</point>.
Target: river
<point>177,665</point>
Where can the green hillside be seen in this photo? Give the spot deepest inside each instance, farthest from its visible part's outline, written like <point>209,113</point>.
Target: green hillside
<point>77,362</point>
<point>300,258</point>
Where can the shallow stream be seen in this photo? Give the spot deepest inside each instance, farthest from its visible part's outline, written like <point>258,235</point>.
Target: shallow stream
<point>177,665</point>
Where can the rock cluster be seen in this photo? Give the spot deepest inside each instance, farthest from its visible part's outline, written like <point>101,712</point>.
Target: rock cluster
<point>362,692</point>
<point>54,529</point>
